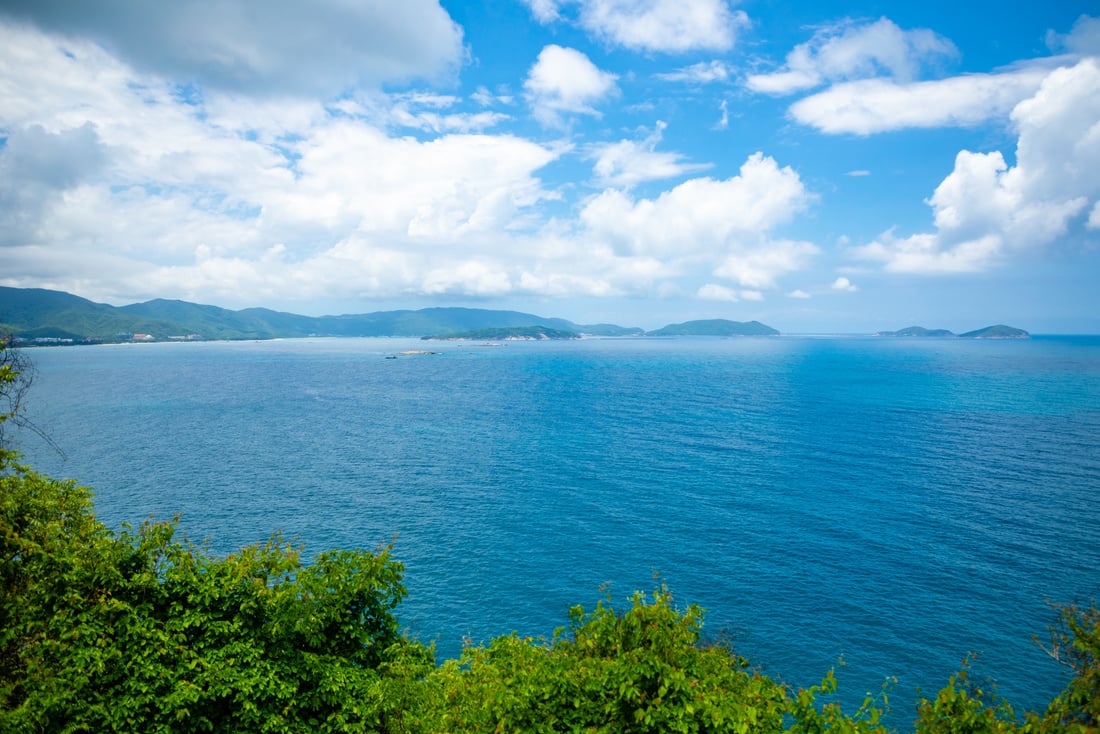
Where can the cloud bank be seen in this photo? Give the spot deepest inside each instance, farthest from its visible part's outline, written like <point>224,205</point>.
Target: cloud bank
<point>987,210</point>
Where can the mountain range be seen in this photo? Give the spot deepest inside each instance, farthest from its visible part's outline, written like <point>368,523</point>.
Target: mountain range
<point>39,314</point>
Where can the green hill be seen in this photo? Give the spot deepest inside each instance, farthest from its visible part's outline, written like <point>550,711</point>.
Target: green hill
<point>715,327</point>
<point>538,333</point>
<point>34,313</point>
<point>1000,331</point>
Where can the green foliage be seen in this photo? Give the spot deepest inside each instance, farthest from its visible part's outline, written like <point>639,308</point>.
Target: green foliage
<point>643,670</point>
<point>969,706</point>
<point>143,631</point>
<point>1075,642</point>
<point>965,705</point>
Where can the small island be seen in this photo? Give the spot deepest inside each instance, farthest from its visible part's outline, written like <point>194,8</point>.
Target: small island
<point>508,333</point>
<point>999,331</point>
<point>715,327</point>
<point>917,331</point>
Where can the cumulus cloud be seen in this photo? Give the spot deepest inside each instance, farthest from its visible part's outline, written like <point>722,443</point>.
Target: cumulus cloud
<point>630,162</point>
<point>843,284</point>
<point>190,196</point>
<point>722,222</point>
<point>701,214</point>
<point>120,184</point>
<point>564,81</point>
<point>286,47</point>
<point>715,292</point>
<point>760,266</point>
<point>669,26</point>
<point>855,51</point>
<point>986,210</point>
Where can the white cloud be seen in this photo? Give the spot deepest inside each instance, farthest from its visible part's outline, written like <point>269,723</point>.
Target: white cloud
<point>485,98</point>
<point>851,51</point>
<point>1094,217</point>
<point>986,210</point>
<point>1083,38</point>
<point>715,292</point>
<point>701,214</point>
<point>422,112</point>
<point>441,189</point>
<point>670,26</point>
<point>121,186</point>
<point>473,277</point>
<point>723,223</point>
<point>798,293</point>
<point>630,162</point>
<point>878,105</point>
<point>704,72</point>
<point>724,120</point>
<point>321,48</point>
<point>239,197</point>
<point>843,284</point>
<point>859,173</point>
<point>565,81</point>
<point>758,267</point>
<point>545,11</point>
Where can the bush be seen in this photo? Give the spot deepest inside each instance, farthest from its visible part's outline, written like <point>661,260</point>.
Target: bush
<point>143,631</point>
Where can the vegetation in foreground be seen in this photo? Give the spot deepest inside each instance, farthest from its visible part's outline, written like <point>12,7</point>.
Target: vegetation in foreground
<point>142,630</point>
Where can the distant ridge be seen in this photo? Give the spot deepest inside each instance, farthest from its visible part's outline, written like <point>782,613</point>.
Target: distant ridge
<point>715,327</point>
<point>509,333</point>
<point>54,316</point>
<point>999,331</point>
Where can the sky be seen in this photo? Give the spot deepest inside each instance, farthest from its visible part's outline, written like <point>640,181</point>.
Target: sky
<point>839,167</point>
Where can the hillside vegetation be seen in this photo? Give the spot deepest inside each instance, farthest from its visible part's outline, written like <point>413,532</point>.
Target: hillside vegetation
<point>715,327</point>
<point>33,313</point>
<point>999,331</point>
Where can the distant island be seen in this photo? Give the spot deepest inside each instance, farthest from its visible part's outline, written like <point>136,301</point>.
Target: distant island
<point>999,331</point>
<point>509,333</point>
<point>715,327</point>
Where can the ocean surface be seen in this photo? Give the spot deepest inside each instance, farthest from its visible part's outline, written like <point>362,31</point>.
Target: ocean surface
<point>897,503</point>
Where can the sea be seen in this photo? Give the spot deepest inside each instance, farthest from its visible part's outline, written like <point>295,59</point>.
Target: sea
<point>884,507</point>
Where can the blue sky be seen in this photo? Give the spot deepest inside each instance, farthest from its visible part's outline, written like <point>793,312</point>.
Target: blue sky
<point>821,167</point>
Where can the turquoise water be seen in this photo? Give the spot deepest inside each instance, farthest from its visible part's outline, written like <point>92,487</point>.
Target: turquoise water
<point>898,503</point>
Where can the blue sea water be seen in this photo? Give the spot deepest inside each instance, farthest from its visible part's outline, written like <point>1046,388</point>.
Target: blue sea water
<point>898,503</point>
